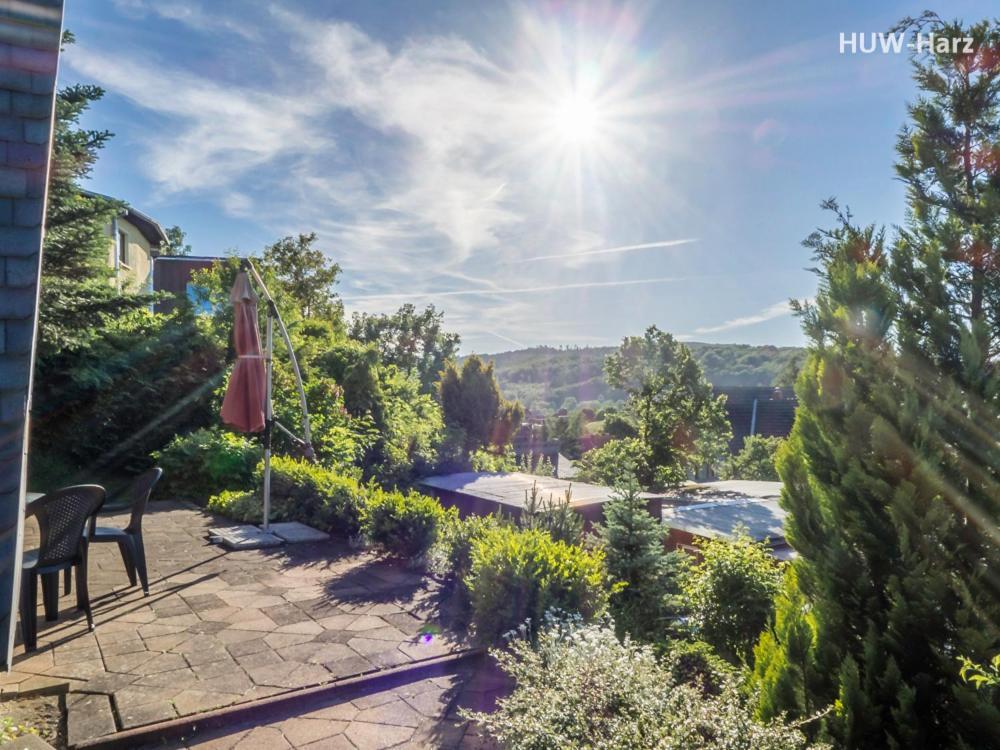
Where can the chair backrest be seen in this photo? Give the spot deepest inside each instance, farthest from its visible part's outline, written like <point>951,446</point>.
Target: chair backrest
<point>138,495</point>
<point>62,516</point>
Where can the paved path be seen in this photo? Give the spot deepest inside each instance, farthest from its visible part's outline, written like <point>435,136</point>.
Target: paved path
<point>222,628</point>
<point>423,714</point>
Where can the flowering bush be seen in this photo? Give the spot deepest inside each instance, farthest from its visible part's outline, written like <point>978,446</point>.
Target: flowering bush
<point>579,686</point>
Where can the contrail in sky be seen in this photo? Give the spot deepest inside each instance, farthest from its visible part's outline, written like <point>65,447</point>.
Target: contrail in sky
<point>522,290</point>
<point>612,250</point>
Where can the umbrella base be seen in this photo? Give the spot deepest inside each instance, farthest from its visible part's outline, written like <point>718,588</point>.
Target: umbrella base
<point>243,537</point>
<point>293,531</point>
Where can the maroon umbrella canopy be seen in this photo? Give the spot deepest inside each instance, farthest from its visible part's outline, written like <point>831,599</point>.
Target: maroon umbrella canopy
<point>243,407</point>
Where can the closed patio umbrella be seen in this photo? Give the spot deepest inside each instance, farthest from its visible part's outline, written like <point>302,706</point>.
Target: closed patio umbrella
<point>245,402</point>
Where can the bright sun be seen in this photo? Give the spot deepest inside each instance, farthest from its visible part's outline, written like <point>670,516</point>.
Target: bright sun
<point>576,120</point>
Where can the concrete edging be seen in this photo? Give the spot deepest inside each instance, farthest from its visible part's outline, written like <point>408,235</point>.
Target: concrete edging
<point>371,682</point>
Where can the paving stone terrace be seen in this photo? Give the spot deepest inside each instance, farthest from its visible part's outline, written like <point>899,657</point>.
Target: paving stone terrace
<point>220,628</point>
<point>422,714</point>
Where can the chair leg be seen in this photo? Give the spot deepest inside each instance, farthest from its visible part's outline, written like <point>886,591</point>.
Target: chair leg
<point>50,595</point>
<point>67,582</point>
<point>139,558</point>
<point>29,614</point>
<point>82,593</point>
<point>125,548</point>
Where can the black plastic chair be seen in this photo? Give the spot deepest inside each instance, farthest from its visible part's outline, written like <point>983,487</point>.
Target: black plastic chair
<point>129,539</point>
<point>62,518</point>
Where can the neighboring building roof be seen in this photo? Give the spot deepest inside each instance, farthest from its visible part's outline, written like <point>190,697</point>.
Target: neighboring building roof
<point>758,410</point>
<point>716,509</point>
<point>149,227</point>
<point>509,488</point>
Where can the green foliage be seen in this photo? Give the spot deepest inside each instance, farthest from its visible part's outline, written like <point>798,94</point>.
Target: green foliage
<point>755,461</point>
<point>414,342</point>
<point>616,463</point>
<point>695,663</point>
<point>304,274</point>
<point>176,243</point>
<point>315,495</point>
<point>113,377</point>
<point>730,593</point>
<point>238,505</point>
<point>407,525</point>
<point>472,404</point>
<point>457,540</point>
<point>981,676</point>
<point>681,424</point>
<point>202,462</point>
<point>892,472</point>
<point>580,687</point>
<point>518,575</point>
<point>493,461</point>
<point>11,729</point>
<point>546,378</point>
<point>646,600</point>
<point>552,515</point>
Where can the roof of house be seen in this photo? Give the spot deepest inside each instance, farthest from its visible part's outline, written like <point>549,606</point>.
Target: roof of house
<point>147,226</point>
<point>716,509</point>
<point>509,488</point>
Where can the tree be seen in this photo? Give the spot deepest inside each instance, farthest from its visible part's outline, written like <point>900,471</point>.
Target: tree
<point>648,599</point>
<point>176,242</point>
<point>681,423</point>
<point>77,292</point>
<point>414,342</point>
<point>730,593</point>
<point>110,372</point>
<point>885,492</point>
<point>472,404</point>
<point>306,275</point>
<point>755,461</point>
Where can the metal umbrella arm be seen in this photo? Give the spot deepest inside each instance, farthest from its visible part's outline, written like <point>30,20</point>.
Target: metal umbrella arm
<point>272,312</point>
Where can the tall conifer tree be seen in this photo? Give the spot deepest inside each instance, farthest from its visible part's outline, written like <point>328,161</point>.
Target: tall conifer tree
<point>892,473</point>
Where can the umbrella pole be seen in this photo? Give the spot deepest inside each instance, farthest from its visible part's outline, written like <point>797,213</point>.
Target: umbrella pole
<point>269,419</point>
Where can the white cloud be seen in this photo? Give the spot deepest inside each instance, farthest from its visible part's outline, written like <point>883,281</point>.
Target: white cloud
<point>777,310</point>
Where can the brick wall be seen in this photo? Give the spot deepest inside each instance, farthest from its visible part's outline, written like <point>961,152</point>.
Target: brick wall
<point>29,52</point>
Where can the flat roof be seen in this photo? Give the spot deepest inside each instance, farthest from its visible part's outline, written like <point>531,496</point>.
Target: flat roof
<point>509,488</point>
<point>763,518</point>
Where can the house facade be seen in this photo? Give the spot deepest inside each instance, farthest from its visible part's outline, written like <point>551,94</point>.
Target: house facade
<point>134,241</point>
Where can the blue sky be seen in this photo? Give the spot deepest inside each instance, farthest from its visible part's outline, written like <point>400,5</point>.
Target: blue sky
<point>546,173</point>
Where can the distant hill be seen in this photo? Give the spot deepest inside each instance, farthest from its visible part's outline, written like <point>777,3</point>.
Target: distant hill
<point>543,377</point>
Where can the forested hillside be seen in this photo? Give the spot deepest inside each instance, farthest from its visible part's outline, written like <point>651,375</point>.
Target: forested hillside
<point>543,377</point>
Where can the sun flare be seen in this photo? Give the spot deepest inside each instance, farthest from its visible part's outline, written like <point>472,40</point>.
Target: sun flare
<point>577,120</point>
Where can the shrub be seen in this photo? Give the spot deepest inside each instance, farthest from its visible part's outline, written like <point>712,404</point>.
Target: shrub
<point>518,575</point>
<point>755,461</point>
<point>731,593</point>
<point>695,663</point>
<point>582,687</point>
<point>615,462</point>
<point>407,525</point>
<point>648,599</point>
<point>309,493</point>
<point>555,516</point>
<point>453,555</point>
<point>205,462</point>
<point>239,505</point>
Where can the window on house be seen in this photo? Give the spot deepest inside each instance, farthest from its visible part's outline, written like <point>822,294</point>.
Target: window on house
<point>123,248</point>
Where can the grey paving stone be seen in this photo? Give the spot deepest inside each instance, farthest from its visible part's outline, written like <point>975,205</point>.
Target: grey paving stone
<point>88,718</point>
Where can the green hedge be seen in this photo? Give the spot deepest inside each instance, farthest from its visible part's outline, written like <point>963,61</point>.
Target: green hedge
<point>309,493</point>
<point>198,464</point>
<point>518,575</point>
<point>407,525</point>
<point>238,505</point>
